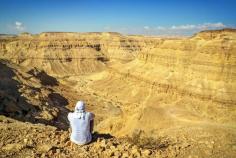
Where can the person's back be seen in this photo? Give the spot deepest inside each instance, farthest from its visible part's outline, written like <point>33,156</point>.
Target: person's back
<point>81,123</point>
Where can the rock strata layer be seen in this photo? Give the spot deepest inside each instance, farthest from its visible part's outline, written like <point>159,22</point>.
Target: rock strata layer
<point>177,90</point>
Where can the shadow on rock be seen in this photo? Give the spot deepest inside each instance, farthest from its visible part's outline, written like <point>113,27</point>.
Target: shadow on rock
<point>13,104</point>
<point>57,99</point>
<point>44,78</point>
<point>96,136</point>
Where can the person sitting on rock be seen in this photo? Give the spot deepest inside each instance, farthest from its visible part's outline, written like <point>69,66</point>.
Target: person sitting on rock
<point>81,123</point>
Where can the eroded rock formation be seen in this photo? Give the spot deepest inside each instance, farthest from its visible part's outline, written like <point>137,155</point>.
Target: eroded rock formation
<point>155,86</point>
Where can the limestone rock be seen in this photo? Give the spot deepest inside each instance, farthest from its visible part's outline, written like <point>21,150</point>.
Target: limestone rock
<point>13,147</point>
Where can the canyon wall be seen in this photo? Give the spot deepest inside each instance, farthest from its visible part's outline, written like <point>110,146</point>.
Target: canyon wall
<point>71,53</point>
<point>186,80</point>
<point>148,78</point>
<point>202,66</point>
<point>197,66</point>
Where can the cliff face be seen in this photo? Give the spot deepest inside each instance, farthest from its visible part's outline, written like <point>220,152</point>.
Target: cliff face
<point>198,66</point>
<point>71,53</point>
<point>175,80</point>
<point>148,79</point>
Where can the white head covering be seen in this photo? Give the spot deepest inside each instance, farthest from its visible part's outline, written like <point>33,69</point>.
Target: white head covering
<point>80,106</point>
<point>80,110</point>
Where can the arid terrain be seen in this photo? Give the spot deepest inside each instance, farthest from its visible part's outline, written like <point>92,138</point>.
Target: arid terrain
<point>152,96</point>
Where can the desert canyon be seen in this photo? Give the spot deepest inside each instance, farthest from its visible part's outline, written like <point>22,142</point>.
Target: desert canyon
<point>152,96</point>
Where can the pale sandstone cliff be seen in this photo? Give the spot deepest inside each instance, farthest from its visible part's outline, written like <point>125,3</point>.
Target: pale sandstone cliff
<point>182,79</point>
<point>182,88</point>
<point>201,67</point>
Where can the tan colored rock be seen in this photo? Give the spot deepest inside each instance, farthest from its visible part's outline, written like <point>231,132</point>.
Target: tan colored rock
<point>13,147</point>
<point>44,148</point>
<point>125,155</point>
<point>146,152</point>
<point>135,151</point>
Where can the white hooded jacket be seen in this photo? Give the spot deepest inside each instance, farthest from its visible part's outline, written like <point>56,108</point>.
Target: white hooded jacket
<point>80,124</point>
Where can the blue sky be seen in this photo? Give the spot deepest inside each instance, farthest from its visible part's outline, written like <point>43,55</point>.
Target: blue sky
<point>148,17</point>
